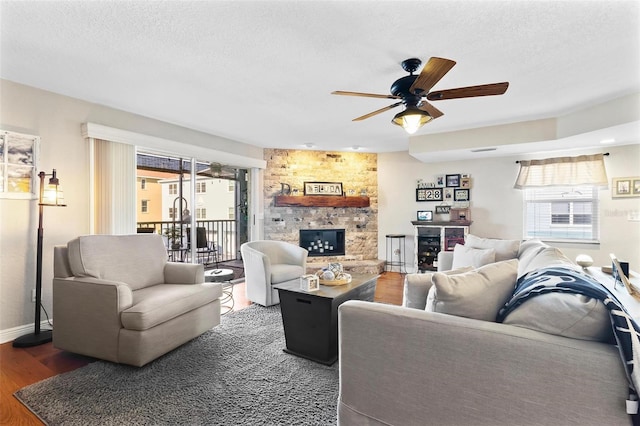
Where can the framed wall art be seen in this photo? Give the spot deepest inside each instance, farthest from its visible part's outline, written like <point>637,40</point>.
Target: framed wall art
<point>465,182</point>
<point>425,215</point>
<point>429,194</point>
<point>624,187</point>
<point>447,194</point>
<point>443,209</point>
<point>453,181</point>
<point>460,194</point>
<point>18,155</point>
<point>323,188</point>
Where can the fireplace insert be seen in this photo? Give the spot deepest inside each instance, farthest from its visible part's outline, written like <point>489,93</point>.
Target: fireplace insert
<point>323,242</point>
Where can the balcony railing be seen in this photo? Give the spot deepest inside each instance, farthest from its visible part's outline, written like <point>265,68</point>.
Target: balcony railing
<point>221,232</point>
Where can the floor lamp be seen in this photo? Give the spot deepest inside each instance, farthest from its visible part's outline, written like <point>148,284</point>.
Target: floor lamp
<point>50,195</point>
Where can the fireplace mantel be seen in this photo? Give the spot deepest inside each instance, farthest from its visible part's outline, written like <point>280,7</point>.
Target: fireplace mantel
<point>319,201</point>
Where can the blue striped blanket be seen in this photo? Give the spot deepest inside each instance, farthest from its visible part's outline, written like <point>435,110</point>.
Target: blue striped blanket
<point>566,280</point>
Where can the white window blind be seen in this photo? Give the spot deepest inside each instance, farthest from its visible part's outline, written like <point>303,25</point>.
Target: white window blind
<point>558,213</point>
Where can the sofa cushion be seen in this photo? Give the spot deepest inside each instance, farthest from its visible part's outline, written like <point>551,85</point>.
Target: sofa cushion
<point>563,314</point>
<point>417,286</point>
<point>140,258</point>
<point>477,294</point>
<point>505,249</point>
<point>528,250</point>
<point>283,272</point>
<point>160,303</point>
<point>469,256</point>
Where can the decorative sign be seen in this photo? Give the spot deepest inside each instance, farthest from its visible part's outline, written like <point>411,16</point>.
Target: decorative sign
<point>323,188</point>
<point>443,209</point>
<point>429,194</point>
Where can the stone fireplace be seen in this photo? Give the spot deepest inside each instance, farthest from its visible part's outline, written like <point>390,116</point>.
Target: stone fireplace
<point>358,174</point>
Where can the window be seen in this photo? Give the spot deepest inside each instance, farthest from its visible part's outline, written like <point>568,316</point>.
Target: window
<point>232,186</point>
<point>143,183</point>
<point>232,213</point>
<point>201,213</point>
<point>201,187</point>
<point>172,213</point>
<point>173,188</point>
<point>144,206</point>
<point>567,213</point>
<point>18,165</point>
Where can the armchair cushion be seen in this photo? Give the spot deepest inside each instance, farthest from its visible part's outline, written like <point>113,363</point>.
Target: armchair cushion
<point>160,303</point>
<point>281,273</point>
<point>136,260</point>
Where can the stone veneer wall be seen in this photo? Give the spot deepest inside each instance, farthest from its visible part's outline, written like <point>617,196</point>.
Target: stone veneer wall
<point>356,171</point>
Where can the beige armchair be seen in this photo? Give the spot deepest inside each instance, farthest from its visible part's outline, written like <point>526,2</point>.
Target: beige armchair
<point>267,263</point>
<point>115,297</point>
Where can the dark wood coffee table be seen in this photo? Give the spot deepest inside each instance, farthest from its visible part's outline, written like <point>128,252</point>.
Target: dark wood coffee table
<point>310,318</point>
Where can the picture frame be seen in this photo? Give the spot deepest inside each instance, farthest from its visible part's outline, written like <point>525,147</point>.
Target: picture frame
<point>447,194</point>
<point>425,215</point>
<point>429,194</point>
<point>309,282</point>
<point>460,194</point>
<point>323,188</point>
<point>465,182</point>
<point>443,209</point>
<point>440,181</point>
<point>18,165</point>
<point>453,181</point>
<point>625,187</point>
<point>460,215</point>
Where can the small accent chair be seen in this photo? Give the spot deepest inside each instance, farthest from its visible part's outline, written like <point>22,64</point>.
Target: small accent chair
<point>267,263</point>
<point>117,298</point>
<point>206,251</point>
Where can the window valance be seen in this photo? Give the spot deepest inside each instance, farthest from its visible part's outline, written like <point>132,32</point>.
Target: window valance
<point>562,171</point>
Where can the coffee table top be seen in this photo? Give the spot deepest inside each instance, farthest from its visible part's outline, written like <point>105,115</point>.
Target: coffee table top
<point>332,292</point>
<point>218,275</point>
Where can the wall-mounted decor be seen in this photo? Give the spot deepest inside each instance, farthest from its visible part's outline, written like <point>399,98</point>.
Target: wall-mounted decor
<point>624,187</point>
<point>465,182</point>
<point>461,194</point>
<point>323,188</point>
<point>453,181</point>
<point>17,165</point>
<point>440,181</point>
<point>443,209</point>
<point>428,194</point>
<point>425,215</point>
<point>447,194</point>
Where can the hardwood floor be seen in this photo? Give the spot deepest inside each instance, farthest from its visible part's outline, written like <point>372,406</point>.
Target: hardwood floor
<point>20,367</point>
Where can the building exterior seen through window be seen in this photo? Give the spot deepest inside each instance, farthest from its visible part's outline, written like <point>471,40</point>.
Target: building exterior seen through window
<point>562,213</point>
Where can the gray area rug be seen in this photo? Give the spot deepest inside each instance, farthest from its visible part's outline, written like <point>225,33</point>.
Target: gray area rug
<point>235,374</point>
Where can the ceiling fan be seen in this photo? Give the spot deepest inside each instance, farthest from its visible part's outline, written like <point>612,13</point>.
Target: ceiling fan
<point>414,91</point>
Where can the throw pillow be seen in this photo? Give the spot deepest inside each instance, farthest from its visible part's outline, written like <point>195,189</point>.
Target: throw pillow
<point>505,249</point>
<point>564,314</point>
<point>469,256</point>
<point>418,288</point>
<point>476,294</point>
<point>529,249</point>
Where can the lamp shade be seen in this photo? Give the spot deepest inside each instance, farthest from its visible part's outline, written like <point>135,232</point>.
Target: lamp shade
<point>411,119</point>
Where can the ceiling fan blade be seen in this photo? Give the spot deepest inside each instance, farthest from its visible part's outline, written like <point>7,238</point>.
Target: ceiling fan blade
<point>432,72</point>
<point>469,92</point>
<point>371,114</point>
<point>433,111</point>
<point>368,95</point>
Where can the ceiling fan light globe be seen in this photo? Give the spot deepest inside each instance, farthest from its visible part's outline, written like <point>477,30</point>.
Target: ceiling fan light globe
<point>411,119</point>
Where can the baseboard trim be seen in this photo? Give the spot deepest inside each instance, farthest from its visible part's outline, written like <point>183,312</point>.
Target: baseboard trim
<point>10,334</point>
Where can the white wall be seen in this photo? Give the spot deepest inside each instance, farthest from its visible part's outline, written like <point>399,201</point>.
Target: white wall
<point>497,208</point>
<point>57,120</point>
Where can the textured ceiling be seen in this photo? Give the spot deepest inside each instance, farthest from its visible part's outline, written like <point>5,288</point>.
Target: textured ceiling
<point>261,72</point>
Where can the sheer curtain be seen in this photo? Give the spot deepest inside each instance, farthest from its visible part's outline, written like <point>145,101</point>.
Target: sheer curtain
<point>562,171</point>
<point>114,177</point>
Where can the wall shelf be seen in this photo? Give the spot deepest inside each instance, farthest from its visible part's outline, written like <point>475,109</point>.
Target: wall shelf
<point>320,201</point>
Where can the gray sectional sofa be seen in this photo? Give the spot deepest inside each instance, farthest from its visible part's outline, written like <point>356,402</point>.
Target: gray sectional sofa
<point>432,361</point>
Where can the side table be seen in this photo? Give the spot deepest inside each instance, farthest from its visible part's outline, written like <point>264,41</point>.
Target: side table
<point>619,290</point>
<point>223,276</point>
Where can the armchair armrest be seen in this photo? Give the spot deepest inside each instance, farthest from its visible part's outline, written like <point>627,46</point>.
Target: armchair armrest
<point>86,312</point>
<point>416,289</point>
<point>183,273</point>
<point>293,255</point>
